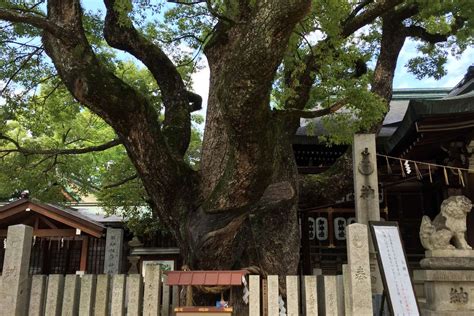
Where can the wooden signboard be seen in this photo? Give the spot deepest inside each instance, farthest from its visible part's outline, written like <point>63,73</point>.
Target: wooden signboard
<point>393,266</point>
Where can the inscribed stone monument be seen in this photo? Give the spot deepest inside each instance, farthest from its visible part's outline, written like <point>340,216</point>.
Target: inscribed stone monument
<point>113,251</point>
<point>366,194</point>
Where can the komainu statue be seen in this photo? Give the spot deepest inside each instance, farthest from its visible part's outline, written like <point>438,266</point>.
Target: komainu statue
<point>447,230</point>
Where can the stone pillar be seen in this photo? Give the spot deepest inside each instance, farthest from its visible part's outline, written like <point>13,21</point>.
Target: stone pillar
<point>340,295</point>
<point>152,297</point>
<point>87,295</point>
<point>254,299</point>
<point>272,285</point>
<point>292,299</point>
<point>118,295</point>
<point>101,304</point>
<point>15,279</point>
<point>366,194</point>
<point>113,251</point>
<point>38,293</point>
<point>311,296</point>
<point>71,295</point>
<point>165,304</point>
<point>347,291</point>
<point>134,294</point>
<point>359,269</point>
<point>54,295</point>
<point>327,292</point>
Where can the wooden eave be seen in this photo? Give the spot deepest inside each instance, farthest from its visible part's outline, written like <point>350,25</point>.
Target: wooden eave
<point>66,217</point>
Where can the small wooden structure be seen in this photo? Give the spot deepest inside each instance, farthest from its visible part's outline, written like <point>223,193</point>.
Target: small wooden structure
<point>64,241</point>
<point>205,279</point>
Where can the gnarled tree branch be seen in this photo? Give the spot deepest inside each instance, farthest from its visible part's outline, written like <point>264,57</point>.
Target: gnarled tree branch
<point>176,99</point>
<point>371,13</point>
<point>36,21</point>
<point>433,38</point>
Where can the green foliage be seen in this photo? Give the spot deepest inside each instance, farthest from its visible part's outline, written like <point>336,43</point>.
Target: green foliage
<point>319,34</point>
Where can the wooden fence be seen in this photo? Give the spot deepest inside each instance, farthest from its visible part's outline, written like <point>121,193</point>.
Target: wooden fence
<point>23,294</point>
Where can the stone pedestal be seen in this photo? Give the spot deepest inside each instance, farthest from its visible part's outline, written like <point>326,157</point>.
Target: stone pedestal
<point>449,289</point>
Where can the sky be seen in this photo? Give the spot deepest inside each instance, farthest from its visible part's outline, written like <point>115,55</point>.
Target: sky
<point>456,69</point>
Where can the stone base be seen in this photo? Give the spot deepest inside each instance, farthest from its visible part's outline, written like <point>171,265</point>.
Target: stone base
<point>427,312</point>
<point>447,292</point>
<point>450,253</point>
<point>448,263</point>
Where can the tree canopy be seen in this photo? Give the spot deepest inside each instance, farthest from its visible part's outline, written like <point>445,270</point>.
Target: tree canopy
<point>72,107</point>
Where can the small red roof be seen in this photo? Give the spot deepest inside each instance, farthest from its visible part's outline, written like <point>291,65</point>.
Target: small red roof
<point>206,277</point>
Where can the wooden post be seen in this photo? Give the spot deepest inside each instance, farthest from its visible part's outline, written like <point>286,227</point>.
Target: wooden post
<point>265,297</point>
<point>84,253</point>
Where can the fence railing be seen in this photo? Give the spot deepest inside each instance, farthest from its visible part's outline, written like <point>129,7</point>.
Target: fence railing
<point>89,294</point>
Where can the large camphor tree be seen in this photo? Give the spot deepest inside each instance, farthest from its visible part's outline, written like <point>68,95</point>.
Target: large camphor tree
<point>271,63</point>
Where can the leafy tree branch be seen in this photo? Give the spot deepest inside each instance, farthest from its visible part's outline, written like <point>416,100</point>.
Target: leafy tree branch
<point>292,113</point>
<point>72,151</point>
